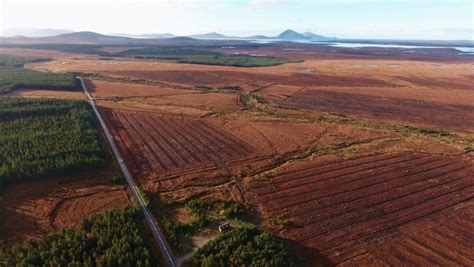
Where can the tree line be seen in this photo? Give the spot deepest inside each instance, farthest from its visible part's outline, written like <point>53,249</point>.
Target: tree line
<point>14,76</point>
<point>110,239</point>
<point>14,61</point>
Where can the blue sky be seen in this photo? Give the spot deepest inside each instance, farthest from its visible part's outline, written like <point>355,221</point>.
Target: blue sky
<point>415,19</point>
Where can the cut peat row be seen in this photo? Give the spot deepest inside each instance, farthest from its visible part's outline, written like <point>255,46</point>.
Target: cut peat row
<point>130,147</point>
<point>171,145</point>
<point>291,176</point>
<point>370,184</point>
<point>294,184</point>
<point>340,209</point>
<point>442,244</point>
<point>451,116</point>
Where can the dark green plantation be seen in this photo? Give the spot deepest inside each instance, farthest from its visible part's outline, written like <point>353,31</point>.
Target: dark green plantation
<point>14,76</point>
<point>110,239</point>
<point>13,61</point>
<point>234,60</point>
<point>43,137</point>
<point>245,246</point>
<point>205,57</point>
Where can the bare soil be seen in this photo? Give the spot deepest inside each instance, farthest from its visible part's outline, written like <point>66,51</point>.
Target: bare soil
<point>31,209</point>
<point>339,208</point>
<point>106,89</point>
<point>338,193</point>
<point>431,114</point>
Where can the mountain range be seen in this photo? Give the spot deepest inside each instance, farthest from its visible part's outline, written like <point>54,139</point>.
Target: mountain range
<point>34,32</point>
<point>289,35</point>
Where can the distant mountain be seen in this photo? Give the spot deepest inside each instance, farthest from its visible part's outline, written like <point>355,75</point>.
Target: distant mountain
<point>147,35</point>
<point>257,37</point>
<point>93,38</point>
<point>84,34</point>
<point>291,35</point>
<point>34,32</point>
<point>86,37</point>
<point>211,35</point>
<point>316,37</point>
<point>288,35</point>
<point>309,36</point>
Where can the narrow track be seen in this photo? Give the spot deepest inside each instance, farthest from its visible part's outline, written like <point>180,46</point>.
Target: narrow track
<point>151,220</point>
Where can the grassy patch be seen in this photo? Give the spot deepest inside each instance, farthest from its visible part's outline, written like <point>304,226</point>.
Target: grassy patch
<point>387,126</point>
<point>250,101</point>
<point>144,196</point>
<point>204,214</point>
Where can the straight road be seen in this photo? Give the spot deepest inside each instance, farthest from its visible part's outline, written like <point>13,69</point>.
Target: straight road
<point>133,186</point>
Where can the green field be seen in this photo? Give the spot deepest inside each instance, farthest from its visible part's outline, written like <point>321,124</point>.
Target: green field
<point>110,239</point>
<point>44,137</point>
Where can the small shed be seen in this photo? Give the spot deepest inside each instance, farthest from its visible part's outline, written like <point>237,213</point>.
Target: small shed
<point>224,227</point>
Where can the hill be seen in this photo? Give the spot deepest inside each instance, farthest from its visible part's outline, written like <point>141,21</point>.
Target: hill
<point>147,35</point>
<point>309,36</point>
<point>34,32</point>
<point>211,35</point>
<point>93,38</point>
<point>291,35</point>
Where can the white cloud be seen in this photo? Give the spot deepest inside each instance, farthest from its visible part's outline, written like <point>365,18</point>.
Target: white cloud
<point>259,4</point>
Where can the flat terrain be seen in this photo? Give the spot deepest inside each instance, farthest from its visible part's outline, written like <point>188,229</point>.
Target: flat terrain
<point>107,89</point>
<point>396,90</point>
<point>339,208</point>
<point>163,145</point>
<point>426,113</point>
<point>355,157</point>
<point>169,153</point>
<point>437,242</point>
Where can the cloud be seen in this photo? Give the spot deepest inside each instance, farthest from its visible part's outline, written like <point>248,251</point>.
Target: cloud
<point>260,4</point>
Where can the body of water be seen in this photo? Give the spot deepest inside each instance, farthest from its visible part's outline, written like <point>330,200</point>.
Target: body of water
<point>463,49</point>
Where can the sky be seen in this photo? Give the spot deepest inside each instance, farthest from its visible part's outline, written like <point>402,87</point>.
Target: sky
<point>384,19</point>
